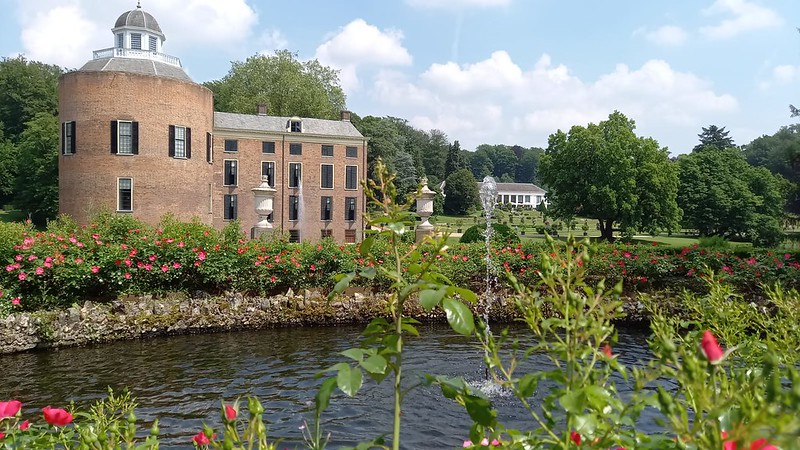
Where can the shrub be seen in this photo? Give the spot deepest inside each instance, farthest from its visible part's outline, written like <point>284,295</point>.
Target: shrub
<point>713,242</point>
<point>501,236</point>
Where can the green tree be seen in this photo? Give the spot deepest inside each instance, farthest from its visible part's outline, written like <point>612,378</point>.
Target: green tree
<point>480,163</point>
<point>8,169</point>
<point>37,183</point>
<point>287,86</point>
<point>722,195</point>
<point>455,159</point>
<point>26,88</point>
<point>608,173</point>
<point>780,153</point>
<point>383,141</point>
<point>528,166</point>
<point>406,181</point>
<point>435,155</point>
<point>505,163</point>
<point>714,137</point>
<point>462,193</point>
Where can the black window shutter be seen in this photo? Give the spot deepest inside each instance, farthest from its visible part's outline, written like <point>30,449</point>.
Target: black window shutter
<point>72,137</point>
<point>135,137</point>
<point>63,137</point>
<point>114,137</point>
<point>188,143</point>
<point>172,141</point>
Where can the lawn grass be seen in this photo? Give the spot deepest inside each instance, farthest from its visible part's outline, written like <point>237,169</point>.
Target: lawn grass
<point>11,215</point>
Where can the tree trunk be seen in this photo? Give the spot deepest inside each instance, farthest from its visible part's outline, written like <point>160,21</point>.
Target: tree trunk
<point>606,229</point>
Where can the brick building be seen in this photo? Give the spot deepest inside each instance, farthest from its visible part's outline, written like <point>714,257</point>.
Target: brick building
<point>139,137</point>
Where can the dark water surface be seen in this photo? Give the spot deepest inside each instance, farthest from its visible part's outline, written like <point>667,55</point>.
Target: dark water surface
<point>182,379</point>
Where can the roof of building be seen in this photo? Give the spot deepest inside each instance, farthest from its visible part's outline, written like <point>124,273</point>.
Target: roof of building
<point>133,65</point>
<point>138,18</point>
<point>525,188</point>
<point>277,124</point>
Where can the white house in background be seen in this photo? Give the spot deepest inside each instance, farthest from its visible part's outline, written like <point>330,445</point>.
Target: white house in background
<point>519,194</point>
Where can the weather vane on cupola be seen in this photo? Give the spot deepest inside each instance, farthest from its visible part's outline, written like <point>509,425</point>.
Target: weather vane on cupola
<point>138,4</point>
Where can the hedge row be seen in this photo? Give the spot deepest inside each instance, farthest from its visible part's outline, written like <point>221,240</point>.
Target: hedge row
<point>119,255</point>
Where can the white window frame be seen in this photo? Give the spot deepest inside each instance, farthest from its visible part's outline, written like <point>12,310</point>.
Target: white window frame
<point>129,136</point>
<point>274,174</point>
<point>333,177</point>
<point>225,172</point>
<point>329,202</point>
<point>152,43</point>
<point>182,154</point>
<point>235,199</point>
<point>133,35</point>
<point>119,206</point>
<point>345,178</point>
<point>120,40</point>
<point>289,173</point>
<point>289,212</point>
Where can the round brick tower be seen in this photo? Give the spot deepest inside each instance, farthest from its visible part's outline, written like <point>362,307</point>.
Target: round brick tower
<point>135,131</point>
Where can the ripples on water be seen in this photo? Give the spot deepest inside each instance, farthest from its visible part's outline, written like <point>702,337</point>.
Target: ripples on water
<point>182,379</point>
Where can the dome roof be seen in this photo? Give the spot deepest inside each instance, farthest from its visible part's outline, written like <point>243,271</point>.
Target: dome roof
<point>138,18</point>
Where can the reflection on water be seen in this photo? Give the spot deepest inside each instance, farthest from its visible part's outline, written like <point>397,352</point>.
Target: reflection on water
<point>182,379</point>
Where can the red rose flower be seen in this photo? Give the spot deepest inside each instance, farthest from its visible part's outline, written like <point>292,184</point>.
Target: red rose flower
<point>230,412</point>
<point>56,417</point>
<point>9,408</point>
<point>575,437</point>
<point>24,425</point>
<point>201,439</point>
<point>711,348</point>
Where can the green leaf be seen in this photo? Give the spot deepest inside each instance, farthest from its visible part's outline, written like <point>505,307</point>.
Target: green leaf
<point>429,298</point>
<point>410,329</point>
<point>368,273</point>
<point>528,384</point>
<point>366,245</point>
<point>356,354</point>
<point>480,410</point>
<point>323,397</point>
<point>341,285</point>
<point>349,380</point>
<point>573,401</point>
<point>397,228</point>
<point>458,316</point>
<point>466,294</point>
<point>374,364</point>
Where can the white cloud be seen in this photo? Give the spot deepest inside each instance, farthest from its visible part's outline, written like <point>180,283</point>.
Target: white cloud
<point>43,39</point>
<point>272,40</point>
<point>65,32</point>
<point>361,44</point>
<point>666,35</point>
<point>747,16</point>
<point>457,4</point>
<point>496,100</point>
<point>780,75</point>
<point>786,73</point>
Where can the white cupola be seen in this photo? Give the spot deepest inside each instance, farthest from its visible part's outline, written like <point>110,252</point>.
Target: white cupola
<point>138,36</point>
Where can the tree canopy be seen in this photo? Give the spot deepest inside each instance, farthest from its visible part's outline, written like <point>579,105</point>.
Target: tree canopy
<point>722,195</point>
<point>462,193</point>
<point>714,137</point>
<point>26,89</point>
<point>606,172</point>
<point>37,185</point>
<point>287,86</point>
<point>780,153</point>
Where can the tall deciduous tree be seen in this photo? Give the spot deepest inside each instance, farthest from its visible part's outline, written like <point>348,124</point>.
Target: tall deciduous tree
<point>287,86</point>
<point>606,172</point>
<point>435,155</point>
<point>26,89</point>
<point>714,137</point>
<point>462,193</point>
<point>780,153</point>
<point>8,169</point>
<point>722,195</point>
<point>37,180</point>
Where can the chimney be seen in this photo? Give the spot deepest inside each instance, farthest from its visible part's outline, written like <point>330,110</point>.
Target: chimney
<point>262,109</point>
<point>345,116</point>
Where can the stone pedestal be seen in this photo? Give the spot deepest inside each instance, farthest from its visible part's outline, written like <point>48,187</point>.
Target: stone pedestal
<point>264,197</point>
<point>425,210</point>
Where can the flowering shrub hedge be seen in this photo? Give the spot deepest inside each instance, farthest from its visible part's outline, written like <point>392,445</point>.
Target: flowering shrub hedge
<point>120,255</point>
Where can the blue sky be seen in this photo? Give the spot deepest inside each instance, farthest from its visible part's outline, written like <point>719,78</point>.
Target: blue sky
<point>482,71</point>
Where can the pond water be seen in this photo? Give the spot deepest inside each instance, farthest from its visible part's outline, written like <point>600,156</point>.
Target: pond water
<point>181,380</point>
